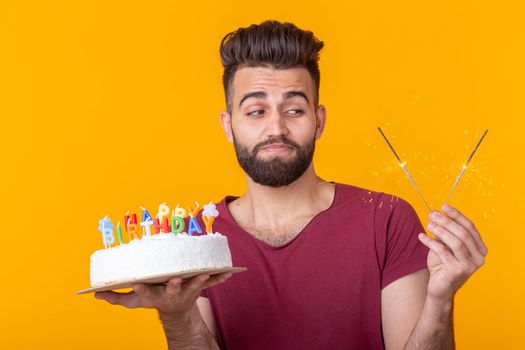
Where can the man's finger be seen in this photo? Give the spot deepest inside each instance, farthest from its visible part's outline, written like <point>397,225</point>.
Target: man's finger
<point>217,279</point>
<point>466,223</point>
<point>458,232</point>
<point>129,299</point>
<point>144,290</point>
<point>173,287</point>
<point>465,251</point>
<point>445,255</point>
<point>194,285</point>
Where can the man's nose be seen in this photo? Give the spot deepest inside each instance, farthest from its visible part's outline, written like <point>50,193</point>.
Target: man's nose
<point>277,124</point>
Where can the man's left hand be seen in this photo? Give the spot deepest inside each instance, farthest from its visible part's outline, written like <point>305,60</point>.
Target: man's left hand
<point>455,254</point>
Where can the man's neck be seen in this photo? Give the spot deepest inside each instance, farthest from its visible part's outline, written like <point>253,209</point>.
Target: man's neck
<point>275,207</point>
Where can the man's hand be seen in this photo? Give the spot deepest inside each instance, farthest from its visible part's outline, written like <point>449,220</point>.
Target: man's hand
<point>456,253</point>
<point>173,300</point>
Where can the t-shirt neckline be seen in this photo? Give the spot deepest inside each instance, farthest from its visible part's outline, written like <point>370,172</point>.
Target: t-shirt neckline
<point>229,216</point>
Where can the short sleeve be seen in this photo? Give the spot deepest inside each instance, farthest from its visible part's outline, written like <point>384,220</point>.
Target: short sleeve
<point>397,227</point>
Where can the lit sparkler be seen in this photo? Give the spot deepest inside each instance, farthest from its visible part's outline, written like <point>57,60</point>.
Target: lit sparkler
<point>403,165</point>
<point>464,167</point>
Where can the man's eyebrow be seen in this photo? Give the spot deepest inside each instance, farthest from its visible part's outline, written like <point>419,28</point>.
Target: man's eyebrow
<point>293,93</point>
<point>262,94</point>
<point>255,94</point>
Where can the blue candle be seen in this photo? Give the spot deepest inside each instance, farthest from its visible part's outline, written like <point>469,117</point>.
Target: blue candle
<point>147,222</point>
<point>193,226</point>
<point>105,226</point>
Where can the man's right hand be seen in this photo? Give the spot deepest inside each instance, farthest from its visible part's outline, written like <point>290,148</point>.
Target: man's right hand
<point>173,300</point>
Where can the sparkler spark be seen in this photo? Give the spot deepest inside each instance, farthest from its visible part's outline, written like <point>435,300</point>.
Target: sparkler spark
<point>402,165</point>
<point>464,167</point>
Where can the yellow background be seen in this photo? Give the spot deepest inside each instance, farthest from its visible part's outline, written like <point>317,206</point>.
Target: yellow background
<point>108,105</point>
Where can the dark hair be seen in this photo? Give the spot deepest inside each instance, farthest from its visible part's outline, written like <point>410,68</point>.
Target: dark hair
<point>270,43</point>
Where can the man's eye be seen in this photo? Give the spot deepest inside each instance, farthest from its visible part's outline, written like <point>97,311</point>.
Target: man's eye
<point>256,113</point>
<point>295,111</point>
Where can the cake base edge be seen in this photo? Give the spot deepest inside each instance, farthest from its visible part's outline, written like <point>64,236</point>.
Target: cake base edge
<point>156,279</point>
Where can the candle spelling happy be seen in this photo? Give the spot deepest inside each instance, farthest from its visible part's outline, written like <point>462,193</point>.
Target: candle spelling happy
<point>147,222</point>
<point>161,220</point>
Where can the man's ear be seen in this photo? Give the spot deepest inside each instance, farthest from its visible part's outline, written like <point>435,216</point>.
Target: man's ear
<point>320,116</point>
<point>226,122</point>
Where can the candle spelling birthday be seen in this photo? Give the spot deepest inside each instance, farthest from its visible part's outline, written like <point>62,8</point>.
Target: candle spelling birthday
<point>464,167</point>
<point>163,224</point>
<point>403,165</point>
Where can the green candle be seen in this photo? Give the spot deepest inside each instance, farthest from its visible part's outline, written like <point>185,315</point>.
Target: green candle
<point>119,233</point>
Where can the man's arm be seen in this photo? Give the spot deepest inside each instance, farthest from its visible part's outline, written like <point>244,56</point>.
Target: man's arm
<point>455,254</point>
<point>189,332</point>
<point>177,309</point>
<point>434,329</point>
<point>207,315</point>
<point>412,321</point>
<point>402,303</point>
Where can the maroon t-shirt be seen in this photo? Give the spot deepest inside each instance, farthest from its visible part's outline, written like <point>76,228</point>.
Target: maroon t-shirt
<point>321,290</point>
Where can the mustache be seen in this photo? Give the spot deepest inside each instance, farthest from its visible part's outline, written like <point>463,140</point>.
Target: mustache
<point>275,139</point>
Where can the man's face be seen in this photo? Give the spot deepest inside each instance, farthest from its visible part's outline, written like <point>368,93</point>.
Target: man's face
<point>274,123</point>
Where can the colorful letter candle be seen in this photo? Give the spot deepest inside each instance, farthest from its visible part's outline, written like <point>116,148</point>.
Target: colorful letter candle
<point>131,226</point>
<point>180,212</point>
<point>177,221</point>
<point>177,224</point>
<point>161,222</point>
<point>209,214</point>
<point>162,226</point>
<point>147,222</point>
<point>105,226</point>
<point>193,225</point>
<point>129,219</point>
<point>119,233</point>
<point>164,211</point>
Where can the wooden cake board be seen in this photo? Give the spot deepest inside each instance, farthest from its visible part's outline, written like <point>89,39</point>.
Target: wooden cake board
<point>157,279</point>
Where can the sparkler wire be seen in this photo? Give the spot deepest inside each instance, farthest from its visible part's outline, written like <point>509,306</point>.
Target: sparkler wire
<point>464,167</point>
<point>402,165</point>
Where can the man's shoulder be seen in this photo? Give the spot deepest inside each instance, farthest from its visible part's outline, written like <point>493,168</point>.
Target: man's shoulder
<point>376,198</point>
<point>348,192</point>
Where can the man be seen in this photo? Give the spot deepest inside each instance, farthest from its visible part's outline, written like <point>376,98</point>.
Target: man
<point>330,266</point>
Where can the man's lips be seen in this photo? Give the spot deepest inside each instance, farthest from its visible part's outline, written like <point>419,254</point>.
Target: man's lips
<point>276,147</point>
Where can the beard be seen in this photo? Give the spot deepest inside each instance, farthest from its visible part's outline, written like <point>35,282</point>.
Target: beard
<point>275,172</point>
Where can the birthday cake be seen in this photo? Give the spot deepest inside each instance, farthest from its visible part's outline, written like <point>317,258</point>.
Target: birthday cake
<point>168,250</point>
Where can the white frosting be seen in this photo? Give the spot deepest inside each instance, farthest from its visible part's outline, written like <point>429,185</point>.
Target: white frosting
<point>159,254</point>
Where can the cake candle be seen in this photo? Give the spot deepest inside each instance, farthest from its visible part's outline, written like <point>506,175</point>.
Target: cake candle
<point>119,233</point>
<point>147,222</point>
<point>161,220</point>
<point>180,212</point>
<point>177,222</point>
<point>209,214</point>
<point>105,226</point>
<point>130,223</point>
<point>193,225</point>
<point>162,226</point>
<point>164,211</point>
